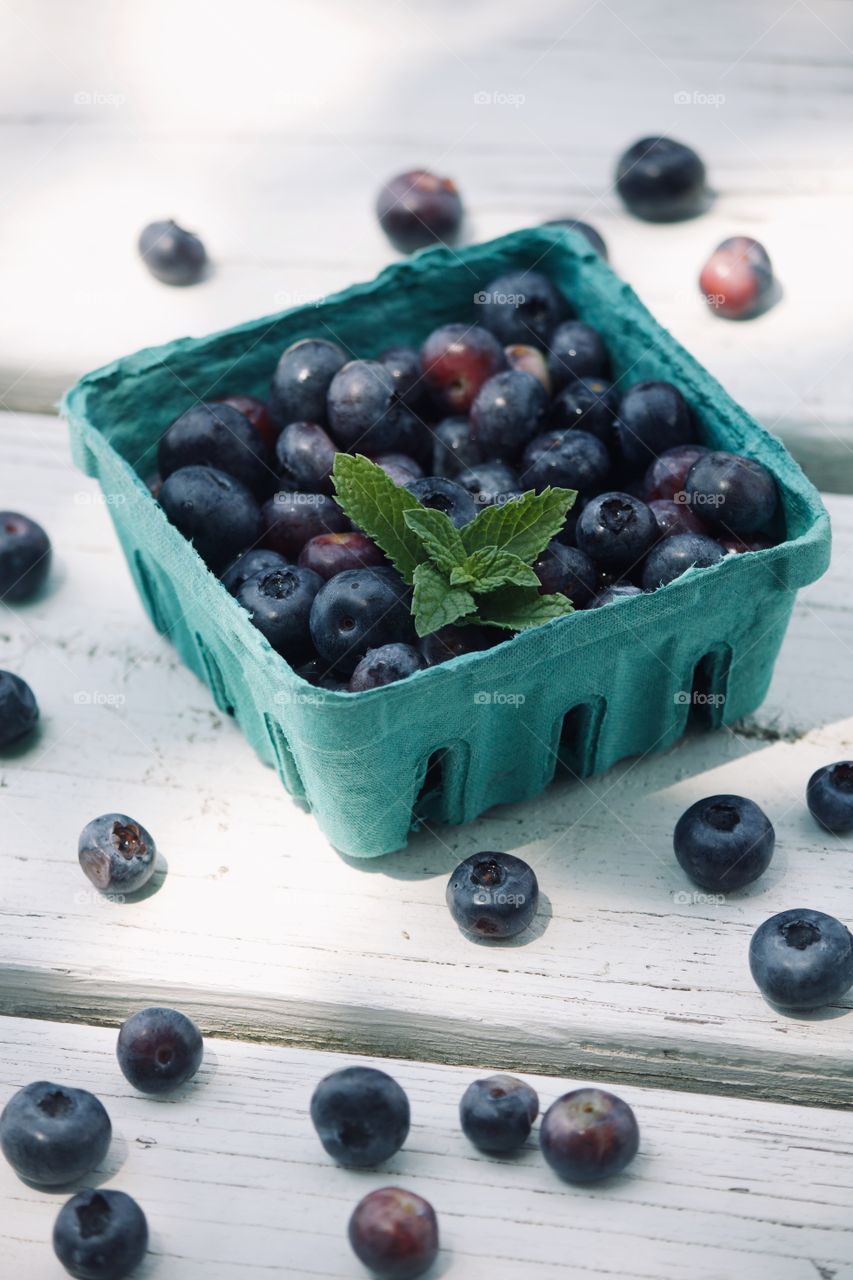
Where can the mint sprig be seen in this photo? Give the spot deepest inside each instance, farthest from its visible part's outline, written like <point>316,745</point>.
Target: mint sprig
<point>480,573</point>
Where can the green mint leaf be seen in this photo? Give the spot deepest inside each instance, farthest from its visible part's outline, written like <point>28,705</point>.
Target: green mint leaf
<point>491,568</point>
<point>523,526</point>
<point>377,506</point>
<point>439,536</point>
<point>437,604</point>
<point>520,607</point>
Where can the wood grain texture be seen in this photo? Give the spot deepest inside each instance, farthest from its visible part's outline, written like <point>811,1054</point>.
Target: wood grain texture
<point>264,931</point>
<point>273,137</point>
<point>235,1183</point>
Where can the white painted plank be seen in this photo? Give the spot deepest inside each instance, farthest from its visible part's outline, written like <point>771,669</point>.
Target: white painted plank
<point>264,930</point>
<point>235,1183</point>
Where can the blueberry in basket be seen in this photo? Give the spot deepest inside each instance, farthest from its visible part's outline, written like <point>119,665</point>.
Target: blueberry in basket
<point>301,380</point>
<point>219,436</point>
<point>522,306</point>
<point>456,360</point>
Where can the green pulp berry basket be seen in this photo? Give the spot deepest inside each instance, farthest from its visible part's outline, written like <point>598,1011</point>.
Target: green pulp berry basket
<point>485,728</point>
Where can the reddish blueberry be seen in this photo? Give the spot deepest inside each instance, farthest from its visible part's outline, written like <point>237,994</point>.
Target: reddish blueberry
<point>159,1049</point>
<point>257,412</point>
<point>24,557</point>
<point>171,254</point>
<point>667,474</point>
<point>331,553</point>
<point>292,519</point>
<point>417,208</point>
<point>661,180</point>
<point>456,360</point>
<point>589,1134</point>
<point>394,1233</point>
<point>675,517</point>
<point>737,280</point>
<point>529,360</point>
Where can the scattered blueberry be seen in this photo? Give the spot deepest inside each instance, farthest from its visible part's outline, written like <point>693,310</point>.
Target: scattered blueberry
<point>616,530</point>
<point>613,594</point>
<point>567,459</point>
<point>24,557</point>
<point>737,280</point>
<point>497,1113</point>
<point>586,404</point>
<point>528,359</point>
<point>456,360</point>
<point>802,959</point>
<point>116,853</point>
<point>507,412</point>
<point>171,254</point>
<point>213,510</point>
<point>305,455</point>
<point>589,1134</point>
<point>302,379</point>
<point>522,306</point>
<point>216,435</point>
<point>661,180</point>
<point>361,1116</point>
<point>385,665</point>
<point>577,351</point>
<point>493,895</point>
<point>488,482</point>
<point>724,842</point>
<point>248,564</point>
<point>394,1233</point>
<point>52,1135</point>
<point>358,610</point>
<point>653,417</point>
<point>732,493</point>
<point>444,495</point>
<point>100,1235</point>
<point>593,237</point>
<point>292,519</point>
<point>667,474</point>
<point>19,711</point>
<point>331,553</point>
<point>454,448</point>
<point>830,796</point>
<point>256,412</point>
<point>450,641</point>
<point>567,570</point>
<point>677,553</point>
<point>416,209</point>
<point>158,1050</point>
<point>675,517</point>
<point>279,601</point>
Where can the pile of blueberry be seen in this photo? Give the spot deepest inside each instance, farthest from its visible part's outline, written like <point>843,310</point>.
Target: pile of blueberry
<point>480,414</point>
<point>362,1119</point>
<point>53,1135</point>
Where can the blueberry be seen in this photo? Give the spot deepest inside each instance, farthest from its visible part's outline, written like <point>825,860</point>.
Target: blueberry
<point>589,1134</point>
<point>737,280</point>
<point>394,1233</point>
<point>507,412</point>
<point>456,360</point>
<point>675,517</point>
<point>213,510</point>
<point>616,530</point>
<point>577,351</point>
<point>529,360</point>
<point>613,594</point>
<point>257,412</point>
<point>487,482</point>
<point>305,455</point>
<point>24,557</point>
<point>216,435</point>
<point>248,564</point>
<point>331,553</point>
<point>52,1135</point>
<point>116,853</point>
<point>724,842</point>
<point>802,959</point>
<point>653,417</point>
<point>19,711</point>
<point>451,641</point>
<point>302,379</point>
<point>661,180</point>
<point>593,237</point>
<point>493,895</point>
<point>100,1235</point>
<point>454,448</point>
<point>567,459</point>
<point>667,474</point>
<point>365,414</point>
<point>732,493</point>
<point>568,570</point>
<point>497,1113</point>
<point>361,1116</point>
<point>404,365</point>
<point>385,665</point>
<point>418,208</point>
<point>171,254</point>
<point>444,495</point>
<point>830,796</point>
<point>588,404</point>
<point>158,1050</point>
<point>358,610</point>
<point>399,467</point>
<point>523,306</point>
<point>279,601</point>
<point>292,519</point>
<point>677,553</point>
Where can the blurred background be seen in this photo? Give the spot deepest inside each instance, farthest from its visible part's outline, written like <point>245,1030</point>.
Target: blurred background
<point>268,127</point>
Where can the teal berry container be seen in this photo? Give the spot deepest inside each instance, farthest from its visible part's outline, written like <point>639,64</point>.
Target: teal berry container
<point>485,728</point>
